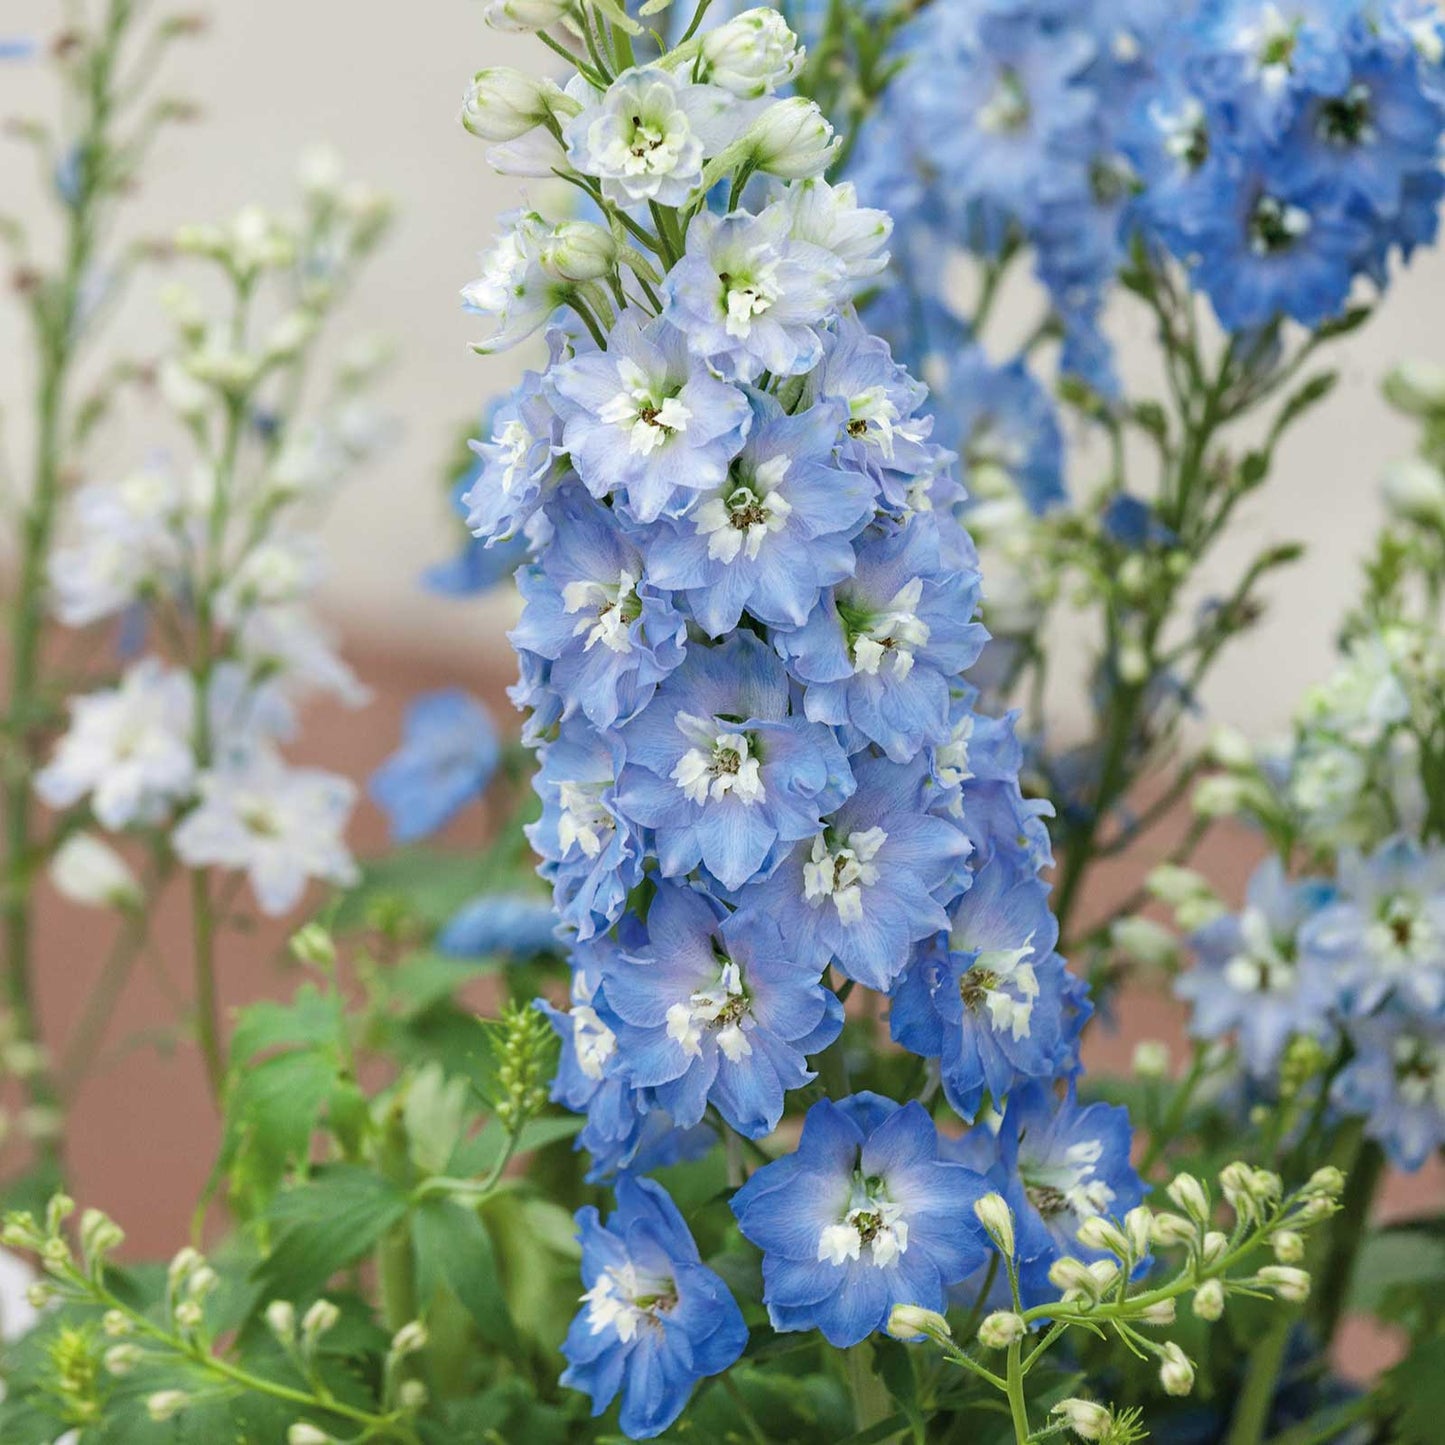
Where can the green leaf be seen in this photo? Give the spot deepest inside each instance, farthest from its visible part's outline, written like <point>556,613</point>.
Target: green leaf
<point>433,883</point>
<point>454,1253</point>
<point>478,1155</point>
<point>271,1114</point>
<point>323,1225</point>
<point>1393,1267</point>
<point>311,1020</point>
<point>1415,1391</point>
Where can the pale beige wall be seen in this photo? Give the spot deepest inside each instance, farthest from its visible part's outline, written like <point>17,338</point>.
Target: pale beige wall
<point>382,80</point>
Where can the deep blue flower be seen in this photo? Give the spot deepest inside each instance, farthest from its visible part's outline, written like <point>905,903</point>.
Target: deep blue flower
<point>647,420</point>
<point>610,636</point>
<point>864,1216</point>
<point>861,892</point>
<point>721,771</point>
<point>509,925</point>
<point>879,654</point>
<point>717,1010</point>
<point>655,1319</point>
<point>773,531</point>
<point>987,1003</point>
<point>448,754</point>
<point>1248,978</point>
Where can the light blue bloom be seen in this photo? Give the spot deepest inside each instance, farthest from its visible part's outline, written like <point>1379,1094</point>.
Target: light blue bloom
<point>1249,980</point>
<point>722,771</point>
<point>717,1010</point>
<point>751,299</point>
<point>655,1319</point>
<point>610,636</point>
<point>862,891</point>
<point>879,654</point>
<point>864,1216</point>
<point>988,1002</point>
<point>773,532</point>
<point>1395,1081</point>
<point>509,925</point>
<point>17,47</point>
<point>647,420</point>
<point>1384,937</point>
<point>448,754</point>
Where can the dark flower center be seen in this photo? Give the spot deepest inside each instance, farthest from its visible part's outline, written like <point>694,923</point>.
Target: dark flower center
<point>1046,1199</point>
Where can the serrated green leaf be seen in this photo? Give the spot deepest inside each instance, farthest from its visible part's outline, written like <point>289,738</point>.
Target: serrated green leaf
<point>433,883</point>
<point>310,1020</point>
<point>454,1253</point>
<point>323,1225</point>
<point>478,1155</point>
<point>272,1112</point>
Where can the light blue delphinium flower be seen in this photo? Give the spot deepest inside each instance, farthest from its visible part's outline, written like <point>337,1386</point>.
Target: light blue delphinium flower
<point>864,1215</point>
<point>879,653</point>
<point>773,531</point>
<point>655,1320</point>
<point>1248,978</point>
<point>17,47</point>
<point>749,298</point>
<point>590,852</point>
<point>647,420</point>
<point>610,636</point>
<point>988,1001</point>
<point>721,771</point>
<point>717,1010</point>
<point>862,891</point>
<point>1396,1083</point>
<point>509,925</point>
<point>1384,937</point>
<point>476,567</point>
<point>448,754</point>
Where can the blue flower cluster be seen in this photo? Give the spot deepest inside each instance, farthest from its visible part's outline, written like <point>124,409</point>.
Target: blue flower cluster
<point>746,624</point>
<point>1357,963</point>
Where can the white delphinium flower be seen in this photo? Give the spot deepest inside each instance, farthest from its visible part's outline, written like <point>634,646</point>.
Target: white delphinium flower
<point>282,826</point>
<point>128,749</point>
<point>751,55</point>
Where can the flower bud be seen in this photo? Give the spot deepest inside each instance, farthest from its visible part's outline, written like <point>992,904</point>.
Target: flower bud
<point>1096,1232</point>
<point>1139,1226</point>
<point>1104,1272</point>
<point>1213,1247</point>
<point>1176,1373</point>
<point>578,251</point>
<point>1189,1194</point>
<point>116,1325</point>
<point>412,1395</point>
<point>281,1320</point>
<point>321,1317</point>
<point>92,874</point>
<point>122,1359</point>
<point>526,14</point>
<point>1230,748</point>
<point>1001,1329</point>
<point>1160,1314</point>
<point>1415,490</point>
<point>182,1264</point>
<point>409,1339</point>
<point>303,1434</point>
<point>1088,1420</point>
<point>1289,1246</point>
<point>1285,1281</point>
<point>1174,885</point>
<point>1170,1231</point>
<point>752,54</point>
<point>99,1235</point>
<point>907,1322</point>
<point>1416,387</point>
<point>312,944</point>
<point>1151,1059</point>
<point>997,1218</point>
<point>503,103</point>
<point>791,140</point>
<point>166,1405</point>
<point>189,1315</point>
<point>1072,1274</point>
<point>1195,913</point>
<point>1144,941</point>
<point>1209,1300</point>
<point>1328,1181</point>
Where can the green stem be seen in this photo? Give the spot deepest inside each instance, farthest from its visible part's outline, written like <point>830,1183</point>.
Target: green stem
<point>208,1022</point>
<point>1017,1406</point>
<point>1261,1385</point>
<point>750,1424</point>
<point>871,1402</point>
<point>1346,1237</point>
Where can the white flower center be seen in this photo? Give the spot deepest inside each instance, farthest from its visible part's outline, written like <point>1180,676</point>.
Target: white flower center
<point>585,822</point>
<point>724,1009</point>
<point>719,763</point>
<point>1419,1073</point>
<point>1007,110</point>
<point>1006,986</point>
<point>843,873</point>
<point>1401,936</point>
<point>1261,965</point>
<point>513,441</point>
<point>1054,1187</point>
<point>951,760</point>
<point>873,418</point>
<point>738,523</point>
<point>613,609</point>
<point>747,297</point>
<point>650,420</point>
<point>624,1299</point>
<point>893,634</point>
<point>872,1219</point>
<point>645,139</point>
<point>592,1040</point>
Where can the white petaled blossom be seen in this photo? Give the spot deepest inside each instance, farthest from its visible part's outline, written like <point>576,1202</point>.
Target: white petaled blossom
<point>873,1222</point>
<point>625,1299</point>
<point>128,750</point>
<point>650,418</point>
<point>281,826</point>
<point>722,1010</point>
<point>841,872</point>
<point>718,764</point>
<point>586,823</point>
<point>513,287</point>
<point>751,55</point>
<point>737,523</point>
<point>1007,986</point>
<point>609,611</point>
<point>791,140</point>
<point>891,636</point>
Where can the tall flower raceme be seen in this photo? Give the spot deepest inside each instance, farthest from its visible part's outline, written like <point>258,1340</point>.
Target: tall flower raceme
<point>209,560</point>
<point>747,620</point>
<point>1243,165</point>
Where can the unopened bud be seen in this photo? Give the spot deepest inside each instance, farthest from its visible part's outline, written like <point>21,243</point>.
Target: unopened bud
<point>907,1322</point>
<point>526,14</point>
<point>1088,1420</point>
<point>1289,1247</point>
<point>321,1317</point>
<point>993,1212</point>
<point>1189,1194</point>
<point>1285,1281</point>
<point>503,103</point>
<point>1415,490</point>
<point>1096,1232</point>
<point>303,1434</point>
<point>1176,1373</point>
<point>409,1339</point>
<point>1170,1231</point>
<point>1001,1329</point>
<point>1328,1181</point>
<point>578,251</point>
<point>1230,748</point>
<point>166,1405</point>
<point>1209,1300</point>
<point>1416,387</point>
<point>91,873</point>
<point>1160,1314</point>
<point>791,140</point>
<point>1139,1226</point>
<point>281,1320</point>
<point>122,1359</point>
<point>1151,1059</point>
<point>1144,941</point>
<point>1213,1248</point>
<point>751,55</point>
<point>412,1395</point>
